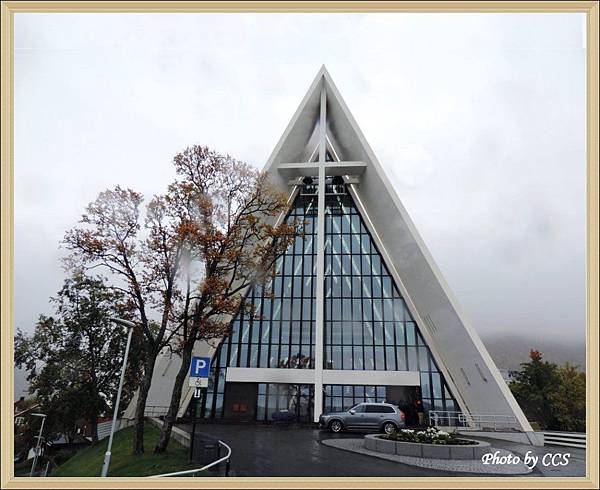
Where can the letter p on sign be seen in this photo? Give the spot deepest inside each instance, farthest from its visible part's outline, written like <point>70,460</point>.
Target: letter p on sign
<point>200,367</point>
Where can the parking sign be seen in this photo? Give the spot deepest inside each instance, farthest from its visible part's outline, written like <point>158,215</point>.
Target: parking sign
<point>200,367</point>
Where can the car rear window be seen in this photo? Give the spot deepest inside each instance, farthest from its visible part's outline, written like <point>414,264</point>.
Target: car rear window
<point>379,409</point>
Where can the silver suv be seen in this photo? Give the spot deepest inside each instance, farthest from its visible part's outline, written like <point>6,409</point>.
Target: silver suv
<point>383,417</point>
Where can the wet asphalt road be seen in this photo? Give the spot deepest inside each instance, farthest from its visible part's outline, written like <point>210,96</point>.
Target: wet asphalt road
<point>264,450</point>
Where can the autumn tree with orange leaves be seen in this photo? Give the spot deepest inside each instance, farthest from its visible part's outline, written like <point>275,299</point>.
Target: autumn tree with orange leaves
<point>237,240</point>
<point>184,259</point>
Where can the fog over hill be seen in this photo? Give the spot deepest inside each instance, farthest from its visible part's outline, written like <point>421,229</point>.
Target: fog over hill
<point>509,350</point>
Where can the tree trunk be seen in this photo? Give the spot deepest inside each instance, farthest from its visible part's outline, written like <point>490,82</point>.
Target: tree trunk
<point>94,428</point>
<point>169,421</point>
<point>140,407</point>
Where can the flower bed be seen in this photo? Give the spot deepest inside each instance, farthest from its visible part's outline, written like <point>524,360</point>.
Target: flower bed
<point>431,443</point>
<point>431,435</point>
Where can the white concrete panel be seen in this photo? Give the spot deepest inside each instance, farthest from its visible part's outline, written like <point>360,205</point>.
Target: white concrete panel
<point>320,277</point>
<point>459,348</point>
<point>166,368</point>
<point>467,365</point>
<point>270,375</point>
<point>330,376</point>
<point>291,170</point>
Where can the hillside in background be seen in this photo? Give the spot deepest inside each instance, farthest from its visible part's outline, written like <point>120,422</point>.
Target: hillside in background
<point>509,350</point>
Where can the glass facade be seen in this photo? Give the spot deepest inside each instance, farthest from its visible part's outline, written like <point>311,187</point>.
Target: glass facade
<point>284,402</point>
<point>367,323</point>
<point>341,397</point>
<point>283,334</point>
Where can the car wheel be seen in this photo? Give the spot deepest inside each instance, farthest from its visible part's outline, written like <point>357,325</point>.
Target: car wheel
<point>336,426</point>
<point>389,428</point>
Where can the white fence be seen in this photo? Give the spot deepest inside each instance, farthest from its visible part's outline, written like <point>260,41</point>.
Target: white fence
<point>104,427</point>
<point>569,439</point>
<point>444,418</point>
<point>471,421</point>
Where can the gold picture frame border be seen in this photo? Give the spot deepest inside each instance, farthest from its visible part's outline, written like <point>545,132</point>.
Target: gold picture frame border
<point>8,9</point>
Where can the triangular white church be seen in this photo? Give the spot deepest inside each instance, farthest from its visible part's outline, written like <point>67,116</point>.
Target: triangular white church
<point>359,310</point>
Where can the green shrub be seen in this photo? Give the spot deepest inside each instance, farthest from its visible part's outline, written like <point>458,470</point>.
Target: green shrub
<point>553,396</point>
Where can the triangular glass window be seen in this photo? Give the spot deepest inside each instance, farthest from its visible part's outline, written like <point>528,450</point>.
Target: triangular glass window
<point>367,325</point>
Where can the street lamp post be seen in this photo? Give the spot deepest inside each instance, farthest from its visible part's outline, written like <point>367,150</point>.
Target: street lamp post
<point>39,442</point>
<point>129,326</point>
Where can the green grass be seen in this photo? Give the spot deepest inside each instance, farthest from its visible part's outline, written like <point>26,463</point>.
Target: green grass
<point>88,461</point>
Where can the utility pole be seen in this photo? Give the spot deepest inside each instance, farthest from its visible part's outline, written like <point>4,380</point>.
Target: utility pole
<point>196,398</point>
<point>39,442</point>
<point>129,326</point>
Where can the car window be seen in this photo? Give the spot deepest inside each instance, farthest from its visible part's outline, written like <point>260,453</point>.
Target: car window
<point>358,408</point>
<point>379,409</point>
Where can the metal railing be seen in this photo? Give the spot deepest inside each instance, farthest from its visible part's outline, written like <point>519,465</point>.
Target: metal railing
<point>226,459</point>
<point>568,439</point>
<point>441,418</point>
<point>444,418</point>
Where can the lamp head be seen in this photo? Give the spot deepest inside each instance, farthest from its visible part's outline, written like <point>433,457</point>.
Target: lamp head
<point>120,321</point>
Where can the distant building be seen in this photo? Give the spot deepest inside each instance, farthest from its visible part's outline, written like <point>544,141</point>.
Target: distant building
<point>23,440</point>
<point>508,375</point>
<point>23,406</point>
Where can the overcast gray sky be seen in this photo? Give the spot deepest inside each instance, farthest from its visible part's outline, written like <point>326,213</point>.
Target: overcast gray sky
<point>479,120</point>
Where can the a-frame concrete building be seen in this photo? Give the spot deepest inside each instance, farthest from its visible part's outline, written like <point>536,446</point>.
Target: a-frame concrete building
<point>360,310</point>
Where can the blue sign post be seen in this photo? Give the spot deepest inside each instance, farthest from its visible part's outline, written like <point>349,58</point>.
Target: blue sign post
<point>199,371</point>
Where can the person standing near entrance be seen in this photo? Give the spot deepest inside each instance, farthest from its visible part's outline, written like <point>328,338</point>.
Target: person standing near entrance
<point>420,412</point>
